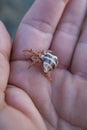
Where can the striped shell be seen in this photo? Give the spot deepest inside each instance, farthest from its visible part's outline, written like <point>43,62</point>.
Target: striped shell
<point>50,62</point>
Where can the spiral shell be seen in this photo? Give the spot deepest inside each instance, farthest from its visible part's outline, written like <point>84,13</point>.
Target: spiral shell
<point>50,62</point>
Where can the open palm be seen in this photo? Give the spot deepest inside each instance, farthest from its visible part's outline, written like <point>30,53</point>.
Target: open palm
<point>32,101</point>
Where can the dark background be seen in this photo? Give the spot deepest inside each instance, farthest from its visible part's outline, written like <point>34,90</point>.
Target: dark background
<point>11,13</point>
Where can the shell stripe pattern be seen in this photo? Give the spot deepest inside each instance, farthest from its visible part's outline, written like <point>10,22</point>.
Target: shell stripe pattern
<point>50,59</point>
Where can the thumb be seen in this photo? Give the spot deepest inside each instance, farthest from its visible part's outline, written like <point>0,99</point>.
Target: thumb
<point>5,48</point>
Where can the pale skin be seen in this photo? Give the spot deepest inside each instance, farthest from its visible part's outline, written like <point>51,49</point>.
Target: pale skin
<point>28,100</point>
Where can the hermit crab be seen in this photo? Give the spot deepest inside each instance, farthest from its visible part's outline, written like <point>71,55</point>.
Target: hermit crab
<point>47,59</point>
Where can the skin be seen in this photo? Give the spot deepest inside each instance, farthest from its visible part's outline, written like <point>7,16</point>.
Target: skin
<point>28,100</point>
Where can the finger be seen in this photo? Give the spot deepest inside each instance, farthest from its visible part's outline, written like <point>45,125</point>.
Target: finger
<point>5,48</point>
<point>68,31</point>
<point>37,27</point>
<point>79,63</point>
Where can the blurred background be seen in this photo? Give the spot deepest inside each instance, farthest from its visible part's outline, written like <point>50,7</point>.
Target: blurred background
<point>12,11</point>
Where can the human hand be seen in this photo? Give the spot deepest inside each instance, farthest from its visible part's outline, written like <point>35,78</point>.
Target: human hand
<point>33,101</point>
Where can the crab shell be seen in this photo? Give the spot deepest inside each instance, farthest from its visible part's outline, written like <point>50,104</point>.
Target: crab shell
<point>50,62</point>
